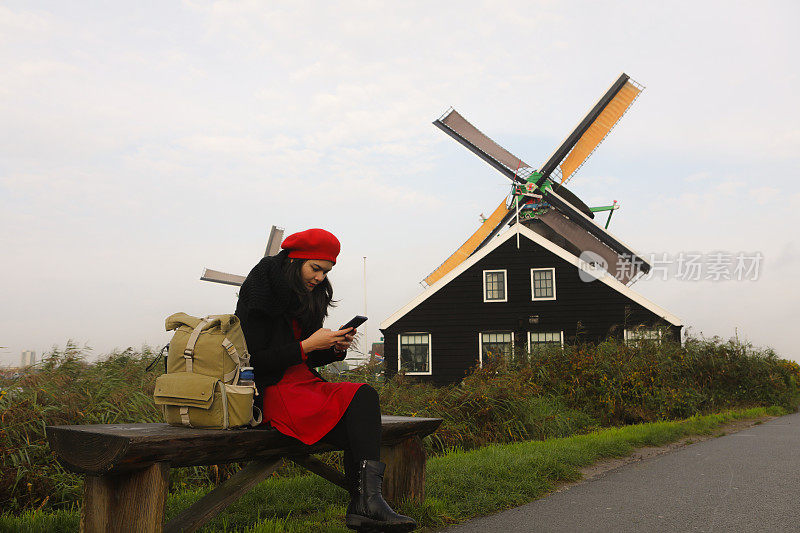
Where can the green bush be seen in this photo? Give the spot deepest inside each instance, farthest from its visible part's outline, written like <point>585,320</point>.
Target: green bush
<point>488,406</point>
<point>623,384</point>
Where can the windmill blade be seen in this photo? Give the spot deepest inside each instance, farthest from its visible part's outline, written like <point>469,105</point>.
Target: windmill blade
<point>509,216</point>
<point>456,126</point>
<point>591,131</point>
<point>222,277</point>
<point>273,247</point>
<point>570,197</point>
<point>565,208</point>
<point>617,266</point>
<point>599,130</point>
<point>274,241</point>
<point>489,227</point>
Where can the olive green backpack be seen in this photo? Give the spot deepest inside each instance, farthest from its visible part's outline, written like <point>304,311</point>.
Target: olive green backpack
<point>201,387</point>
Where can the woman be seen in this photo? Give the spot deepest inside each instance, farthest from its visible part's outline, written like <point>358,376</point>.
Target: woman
<point>282,304</point>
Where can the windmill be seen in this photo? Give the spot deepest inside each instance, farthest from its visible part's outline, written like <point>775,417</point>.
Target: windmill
<point>539,198</point>
<point>273,247</point>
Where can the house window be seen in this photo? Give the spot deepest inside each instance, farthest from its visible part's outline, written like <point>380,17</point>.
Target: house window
<point>495,344</point>
<point>642,334</point>
<point>539,339</point>
<point>543,283</point>
<point>494,286</point>
<point>414,353</point>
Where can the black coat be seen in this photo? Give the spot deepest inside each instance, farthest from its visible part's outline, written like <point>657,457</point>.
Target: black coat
<point>264,306</point>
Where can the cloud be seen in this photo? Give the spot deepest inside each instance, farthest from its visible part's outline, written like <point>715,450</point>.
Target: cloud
<point>698,176</point>
<point>17,21</point>
<point>765,195</point>
<point>729,188</point>
<point>249,146</point>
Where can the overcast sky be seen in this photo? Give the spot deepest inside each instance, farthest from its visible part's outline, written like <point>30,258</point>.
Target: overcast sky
<point>141,142</point>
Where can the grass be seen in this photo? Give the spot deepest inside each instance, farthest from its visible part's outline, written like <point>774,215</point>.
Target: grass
<point>61,521</point>
<point>460,484</point>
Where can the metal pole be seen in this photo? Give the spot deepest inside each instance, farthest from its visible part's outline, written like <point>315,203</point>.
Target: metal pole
<point>517,199</point>
<point>366,346</point>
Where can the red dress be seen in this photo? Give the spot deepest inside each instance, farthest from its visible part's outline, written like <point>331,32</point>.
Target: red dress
<point>304,406</point>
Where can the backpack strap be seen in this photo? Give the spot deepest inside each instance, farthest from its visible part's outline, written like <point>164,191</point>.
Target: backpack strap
<point>256,420</point>
<point>184,416</point>
<point>224,395</point>
<point>188,352</point>
<point>233,375</point>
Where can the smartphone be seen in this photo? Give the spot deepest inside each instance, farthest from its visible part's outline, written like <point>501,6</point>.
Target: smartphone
<point>355,322</point>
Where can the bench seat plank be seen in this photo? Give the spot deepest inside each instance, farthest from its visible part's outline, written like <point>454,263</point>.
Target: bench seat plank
<point>102,449</point>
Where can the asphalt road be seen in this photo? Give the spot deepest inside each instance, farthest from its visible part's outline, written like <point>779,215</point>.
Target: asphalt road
<point>747,481</point>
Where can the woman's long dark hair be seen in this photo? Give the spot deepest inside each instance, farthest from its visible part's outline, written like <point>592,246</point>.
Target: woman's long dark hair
<point>313,305</point>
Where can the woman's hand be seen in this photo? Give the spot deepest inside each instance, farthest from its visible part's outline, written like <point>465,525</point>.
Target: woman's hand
<point>342,346</point>
<point>324,338</point>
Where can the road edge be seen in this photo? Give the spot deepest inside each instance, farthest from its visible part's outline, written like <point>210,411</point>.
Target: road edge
<point>643,453</point>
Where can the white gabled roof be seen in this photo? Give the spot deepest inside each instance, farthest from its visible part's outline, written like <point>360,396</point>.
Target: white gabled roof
<point>521,229</point>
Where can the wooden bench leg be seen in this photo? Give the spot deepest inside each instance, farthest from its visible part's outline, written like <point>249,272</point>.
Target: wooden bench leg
<point>315,466</point>
<point>222,496</point>
<point>405,471</point>
<point>133,501</point>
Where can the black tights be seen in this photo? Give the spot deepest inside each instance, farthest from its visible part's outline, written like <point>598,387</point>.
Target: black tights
<point>358,432</point>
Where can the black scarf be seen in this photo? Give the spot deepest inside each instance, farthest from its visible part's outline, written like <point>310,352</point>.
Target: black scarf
<point>267,289</point>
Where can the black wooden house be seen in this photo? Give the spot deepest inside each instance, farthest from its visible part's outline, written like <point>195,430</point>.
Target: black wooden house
<point>518,291</point>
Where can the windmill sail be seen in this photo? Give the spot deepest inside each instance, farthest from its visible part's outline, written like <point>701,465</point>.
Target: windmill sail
<point>274,241</point>
<point>598,130</point>
<point>624,252</point>
<point>622,270</point>
<point>222,277</point>
<point>466,249</point>
<point>591,131</point>
<point>456,126</point>
<point>273,247</point>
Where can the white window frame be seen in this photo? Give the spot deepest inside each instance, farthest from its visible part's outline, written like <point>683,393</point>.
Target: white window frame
<point>505,286</point>
<point>533,297</point>
<point>430,353</point>
<point>561,334</point>
<point>480,343</point>
<point>631,335</point>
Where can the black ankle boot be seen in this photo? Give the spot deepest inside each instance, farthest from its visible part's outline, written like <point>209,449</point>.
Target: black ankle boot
<point>368,511</point>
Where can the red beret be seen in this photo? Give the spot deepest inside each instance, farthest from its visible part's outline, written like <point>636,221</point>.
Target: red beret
<point>312,243</point>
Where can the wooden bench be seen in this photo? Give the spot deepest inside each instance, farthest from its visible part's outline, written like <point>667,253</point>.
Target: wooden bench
<point>126,467</point>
